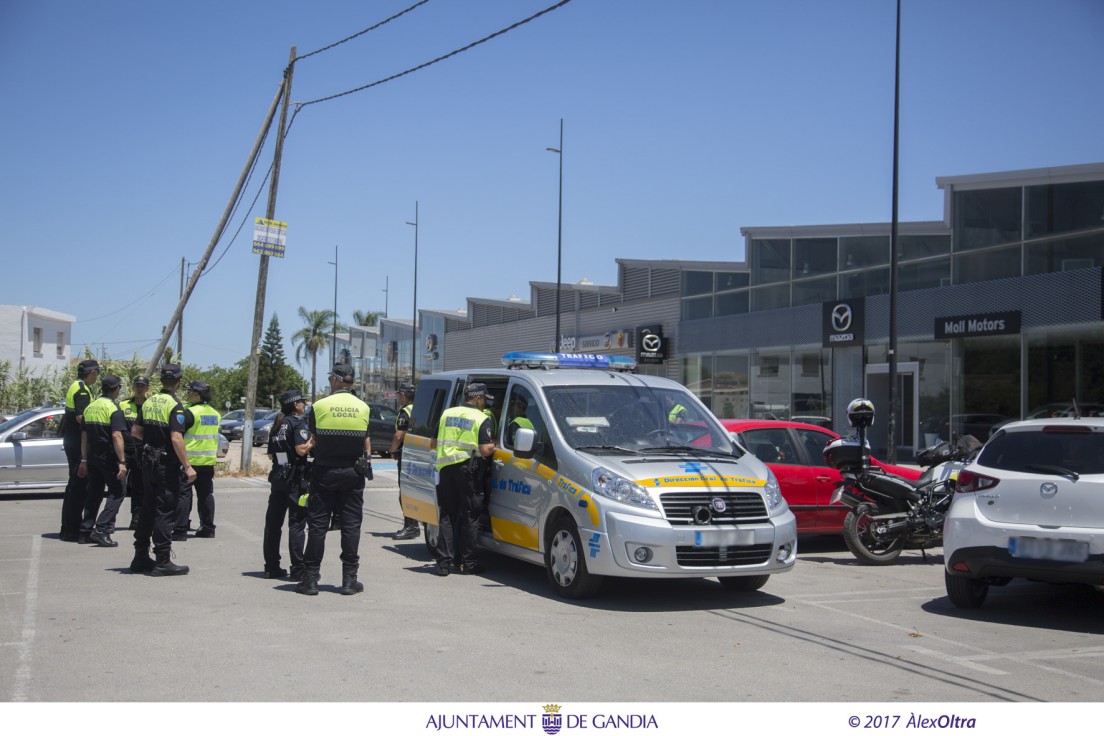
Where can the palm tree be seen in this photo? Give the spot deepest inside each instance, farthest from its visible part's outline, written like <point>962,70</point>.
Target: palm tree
<point>313,337</point>
<point>366,319</point>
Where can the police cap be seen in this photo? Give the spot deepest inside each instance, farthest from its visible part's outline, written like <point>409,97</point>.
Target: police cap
<point>343,372</point>
<point>87,366</point>
<point>200,387</point>
<point>478,389</point>
<point>406,390</point>
<point>171,372</point>
<point>140,381</point>
<point>110,383</point>
<point>291,396</point>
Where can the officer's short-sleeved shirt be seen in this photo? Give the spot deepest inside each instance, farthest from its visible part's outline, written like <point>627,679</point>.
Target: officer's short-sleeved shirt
<point>81,398</point>
<point>339,446</point>
<point>99,435</point>
<point>293,431</point>
<point>486,431</point>
<point>158,434</point>
<point>402,420</point>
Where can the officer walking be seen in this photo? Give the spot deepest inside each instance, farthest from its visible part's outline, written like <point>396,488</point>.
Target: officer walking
<point>134,486</point>
<point>288,445</point>
<point>103,462</point>
<point>410,528</point>
<point>342,461</point>
<point>465,438</point>
<point>201,422</point>
<point>160,426</point>
<point>77,398</point>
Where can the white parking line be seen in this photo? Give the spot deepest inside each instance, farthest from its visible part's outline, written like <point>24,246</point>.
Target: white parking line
<point>961,661</point>
<point>30,612</point>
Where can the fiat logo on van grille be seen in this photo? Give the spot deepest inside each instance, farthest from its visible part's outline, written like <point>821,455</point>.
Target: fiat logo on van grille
<point>718,505</point>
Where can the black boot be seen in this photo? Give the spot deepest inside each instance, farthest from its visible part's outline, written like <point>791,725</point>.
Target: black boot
<point>349,583</point>
<point>308,585</point>
<point>142,562</point>
<point>103,539</point>
<point>410,530</point>
<point>166,567</point>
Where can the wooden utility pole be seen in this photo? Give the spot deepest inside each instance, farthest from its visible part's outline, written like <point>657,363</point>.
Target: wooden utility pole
<point>167,330</point>
<point>262,280</point>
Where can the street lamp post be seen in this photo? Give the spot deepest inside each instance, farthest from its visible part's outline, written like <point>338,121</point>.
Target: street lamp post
<point>559,242</point>
<point>414,323</point>
<point>333,338</point>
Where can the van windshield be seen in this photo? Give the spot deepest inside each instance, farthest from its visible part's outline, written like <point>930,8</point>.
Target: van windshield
<point>635,418</point>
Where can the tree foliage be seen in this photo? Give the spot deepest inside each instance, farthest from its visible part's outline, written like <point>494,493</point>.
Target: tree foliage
<point>312,338</point>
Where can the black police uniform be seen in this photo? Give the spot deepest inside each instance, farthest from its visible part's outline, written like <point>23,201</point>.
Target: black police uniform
<point>403,423</point>
<point>72,505</point>
<point>132,450</point>
<point>461,494</point>
<point>102,471</point>
<point>289,482</point>
<point>339,424</point>
<point>160,416</point>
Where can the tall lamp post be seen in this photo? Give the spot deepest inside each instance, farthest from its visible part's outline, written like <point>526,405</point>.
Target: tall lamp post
<point>414,323</point>
<point>559,242</point>
<point>894,398</point>
<point>333,338</point>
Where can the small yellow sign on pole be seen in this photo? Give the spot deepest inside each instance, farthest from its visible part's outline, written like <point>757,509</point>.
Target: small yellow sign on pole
<point>269,237</point>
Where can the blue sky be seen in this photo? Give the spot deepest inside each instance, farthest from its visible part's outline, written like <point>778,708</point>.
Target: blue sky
<point>126,124</point>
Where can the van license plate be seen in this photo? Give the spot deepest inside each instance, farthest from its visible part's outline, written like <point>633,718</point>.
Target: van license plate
<point>1059,550</point>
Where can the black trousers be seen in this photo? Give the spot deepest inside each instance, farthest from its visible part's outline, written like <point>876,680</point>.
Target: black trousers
<point>338,490</point>
<point>102,470</point>
<point>205,498</point>
<point>460,503</point>
<point>281,505</point>
<point>135,487</point>
<point>159,507</point>
<point>72,505</point>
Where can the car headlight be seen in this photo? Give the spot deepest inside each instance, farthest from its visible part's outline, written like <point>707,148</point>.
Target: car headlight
<point>611,485</point>
<point>773,492</point>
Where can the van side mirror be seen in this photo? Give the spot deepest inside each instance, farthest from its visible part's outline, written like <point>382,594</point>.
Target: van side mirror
<point>18,437</point>
<point>525,443</point>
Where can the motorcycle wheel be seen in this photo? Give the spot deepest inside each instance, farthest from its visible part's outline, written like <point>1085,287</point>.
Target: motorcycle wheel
<point>868,549</point>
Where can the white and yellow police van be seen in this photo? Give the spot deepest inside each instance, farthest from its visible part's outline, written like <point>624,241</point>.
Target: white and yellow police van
<point>600,472</point>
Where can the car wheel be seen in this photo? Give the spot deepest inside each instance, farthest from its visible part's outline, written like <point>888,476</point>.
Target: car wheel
<point>744,583</point>
<point>566,562</point>
<point>965,592</point>
<point>430,532</point>
<point>862,539</point>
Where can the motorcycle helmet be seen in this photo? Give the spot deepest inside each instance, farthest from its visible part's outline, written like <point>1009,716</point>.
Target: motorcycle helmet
<point>860,413</point>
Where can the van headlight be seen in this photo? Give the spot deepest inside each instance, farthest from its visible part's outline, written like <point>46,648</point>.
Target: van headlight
<point>611,485</point>
<point>773,492</point>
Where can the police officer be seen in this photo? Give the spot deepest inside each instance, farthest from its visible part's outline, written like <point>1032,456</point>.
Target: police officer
<point>77,398</point>
<point>518,406</point>
<point>201,422</point>
<point>103,462</point>
<point>134,486</point>
<point>677,413</point>
<point>465,438</point>
<point>160,426</point>
<point>342,460</point>
<point>288,446</point>
<point>410,528</point>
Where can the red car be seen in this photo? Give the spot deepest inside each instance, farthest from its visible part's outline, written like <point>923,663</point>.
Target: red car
<point>792,450</point>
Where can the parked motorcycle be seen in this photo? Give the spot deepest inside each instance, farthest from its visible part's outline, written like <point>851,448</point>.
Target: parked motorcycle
<point>888,513</point>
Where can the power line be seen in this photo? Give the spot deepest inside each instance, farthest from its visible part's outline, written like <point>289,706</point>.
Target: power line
<point>361,33</point>
<point>439,58</point>
<point>144,296</point>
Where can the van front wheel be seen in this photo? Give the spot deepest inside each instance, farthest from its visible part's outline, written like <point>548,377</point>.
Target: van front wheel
<point>566,563</point>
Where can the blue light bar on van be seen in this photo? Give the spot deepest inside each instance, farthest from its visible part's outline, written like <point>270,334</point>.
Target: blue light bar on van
<point>568,360</point>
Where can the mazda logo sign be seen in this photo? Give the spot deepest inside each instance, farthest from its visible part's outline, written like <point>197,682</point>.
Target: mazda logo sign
<point>652,343</point>
<point>841,317</point>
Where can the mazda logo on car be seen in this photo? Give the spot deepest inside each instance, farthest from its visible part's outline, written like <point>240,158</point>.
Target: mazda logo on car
<point>841,317</point>
<point>1047,490</point>
<point>652,343</point>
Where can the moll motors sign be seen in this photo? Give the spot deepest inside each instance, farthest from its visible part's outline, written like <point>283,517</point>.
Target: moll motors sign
<point>977,325</point>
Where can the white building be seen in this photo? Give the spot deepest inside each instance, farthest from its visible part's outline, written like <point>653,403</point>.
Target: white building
<point>35,338</point>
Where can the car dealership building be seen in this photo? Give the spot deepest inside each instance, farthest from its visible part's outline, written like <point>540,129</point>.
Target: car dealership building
<point>999,313</point>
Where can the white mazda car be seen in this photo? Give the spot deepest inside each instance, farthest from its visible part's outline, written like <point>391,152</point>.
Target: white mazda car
<point>1031,505</point>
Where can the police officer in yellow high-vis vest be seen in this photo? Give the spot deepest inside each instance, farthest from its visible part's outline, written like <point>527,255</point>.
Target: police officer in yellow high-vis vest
<point>410,528</point>
<point>77,398</point>
<point>103,463</point>
<point>342,461</point>
<point>160,427</point>
<point>134,485</point>
<point>465,438</point>
<point>201,425</point>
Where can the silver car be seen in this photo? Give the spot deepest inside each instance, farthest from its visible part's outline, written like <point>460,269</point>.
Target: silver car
<point>31,455</point>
